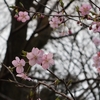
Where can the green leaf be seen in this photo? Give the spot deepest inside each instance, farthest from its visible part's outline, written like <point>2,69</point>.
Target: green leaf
<point>11,68</point>
<point>61,3</point>
<point>57,82</point>
<point>93,13</point>
<point>31,93</point>
<point>57,98</point>
<point>12,7</point>
<point>77,8</point>
<point>24,53</point>
<point>69,82</point>
<point>21,4</point>
<point>16,10</point>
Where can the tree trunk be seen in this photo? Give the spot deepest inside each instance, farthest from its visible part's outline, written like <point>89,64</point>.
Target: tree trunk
<point>16,43</point>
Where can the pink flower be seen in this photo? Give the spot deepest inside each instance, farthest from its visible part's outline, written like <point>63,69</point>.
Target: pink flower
<point>98,54</point>
<point>47,61</point>
<point>24,76</point>
<point>54,22</point>
<point>96,60</point>
<point>23,16</point>
<point>42,16</point>
<point>96,41</point>
<point>98,69</point>
<point>97,26</point>
<point>85,9</point>
<point>18,64</point>
<point>35,56</point>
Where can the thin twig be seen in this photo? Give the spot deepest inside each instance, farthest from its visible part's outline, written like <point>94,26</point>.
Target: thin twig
<point>10,73</point>
<point>62,82</point>
<point>62,94</point>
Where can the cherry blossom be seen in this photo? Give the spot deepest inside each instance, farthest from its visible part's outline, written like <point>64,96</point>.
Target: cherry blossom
<point>56,20</point>
<point>35,56</point>
<point>98,69</point>
<point>24,76</point>
<point>98,54</point>
<point>47,61</point>
<point>96,27</point>
<point>85,9</point>
<point>96,61</point>
<point>18,64</point>
<point>22,16</point>
<point>96,41</point>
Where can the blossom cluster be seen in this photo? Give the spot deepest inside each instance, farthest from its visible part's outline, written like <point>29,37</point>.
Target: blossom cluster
<point>96,27</point>
<point>59,18</point>
<point>84,11</point>
<point>22,16</point>
<point>36,56</point>
<point>56,20</point>
<point>96,58</point>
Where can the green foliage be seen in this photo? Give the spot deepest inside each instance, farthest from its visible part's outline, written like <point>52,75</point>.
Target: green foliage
<point>77,8</point>
<point>24,53</point>
<point>57,98</point>
<point>61,3</point>
<point>57,82</point>
<point>21,4</point>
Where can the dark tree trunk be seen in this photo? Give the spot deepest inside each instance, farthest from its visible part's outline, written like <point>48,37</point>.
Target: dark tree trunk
<point>16,43</point>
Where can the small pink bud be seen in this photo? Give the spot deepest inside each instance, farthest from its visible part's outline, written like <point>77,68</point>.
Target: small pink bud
<point>69,31</point>
<point>16,16</point>
<point>42,16</point>
<point>98,54</point>
<point>97,26</point>
<point>78,22</point>
<point>90,28</point>
<point>81,24</point>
